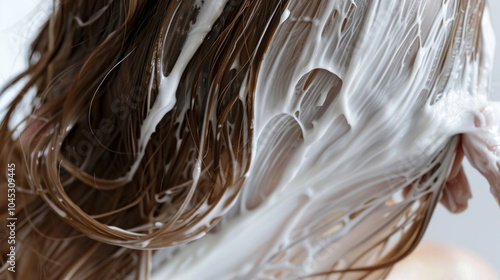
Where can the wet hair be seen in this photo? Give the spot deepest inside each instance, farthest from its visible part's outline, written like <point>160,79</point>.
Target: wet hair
<point>94,68</point>
<point>94,201</point>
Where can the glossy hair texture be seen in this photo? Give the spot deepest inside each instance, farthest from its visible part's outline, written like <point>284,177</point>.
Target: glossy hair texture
<point>95,72</point>
<point>95,62</point>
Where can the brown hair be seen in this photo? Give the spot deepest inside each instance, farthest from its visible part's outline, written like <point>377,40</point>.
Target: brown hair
<point>95,71</point>
<point>90,67</point>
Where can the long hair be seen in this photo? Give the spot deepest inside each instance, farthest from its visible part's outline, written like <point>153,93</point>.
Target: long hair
<point>156,125</point>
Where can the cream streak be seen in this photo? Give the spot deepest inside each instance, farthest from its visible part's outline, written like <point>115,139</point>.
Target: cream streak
<point>165,102</point>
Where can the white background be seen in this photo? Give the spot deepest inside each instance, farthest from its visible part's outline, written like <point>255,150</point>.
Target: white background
<point>478,228</point>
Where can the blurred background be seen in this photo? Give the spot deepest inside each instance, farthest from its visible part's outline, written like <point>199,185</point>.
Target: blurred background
<point>478,228</point>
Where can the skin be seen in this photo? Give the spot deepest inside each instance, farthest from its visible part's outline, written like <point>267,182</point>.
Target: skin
<point>435,261</point>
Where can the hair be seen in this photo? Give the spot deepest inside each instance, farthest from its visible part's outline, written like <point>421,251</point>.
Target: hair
<point>91,68</point>
<point>83,172</point>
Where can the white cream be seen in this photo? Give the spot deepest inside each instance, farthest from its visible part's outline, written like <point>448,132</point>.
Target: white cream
<point>165,100</point>
<point>377,116</point>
